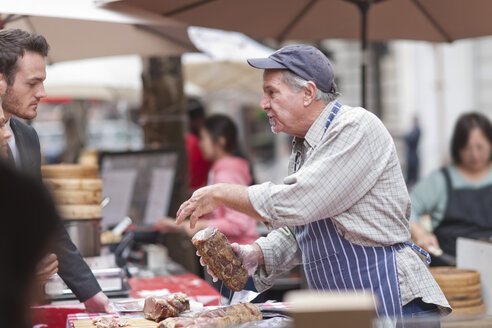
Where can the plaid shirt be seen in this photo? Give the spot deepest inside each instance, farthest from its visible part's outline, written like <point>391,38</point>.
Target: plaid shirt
<point>351,174</point>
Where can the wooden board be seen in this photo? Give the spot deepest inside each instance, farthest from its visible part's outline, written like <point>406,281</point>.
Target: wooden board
<point>70,171</point>
<point>74,184</point>
<point>136,322</point>
<point>77,197</point>
<point>79,211</point>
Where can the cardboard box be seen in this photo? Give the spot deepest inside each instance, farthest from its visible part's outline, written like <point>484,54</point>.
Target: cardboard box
<point>477,255</point>
<point>315,309</point>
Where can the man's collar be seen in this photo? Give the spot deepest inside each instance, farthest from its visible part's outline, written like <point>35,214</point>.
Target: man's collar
<point>315,132</point>
<point>11,141</point>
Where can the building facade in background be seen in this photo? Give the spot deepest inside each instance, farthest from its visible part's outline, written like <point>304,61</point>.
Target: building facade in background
<point>434,82</point>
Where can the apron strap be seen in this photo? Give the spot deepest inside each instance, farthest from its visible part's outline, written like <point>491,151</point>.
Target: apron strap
<point>420,250</point>
<point>334,111</point>
<point>447,178</point>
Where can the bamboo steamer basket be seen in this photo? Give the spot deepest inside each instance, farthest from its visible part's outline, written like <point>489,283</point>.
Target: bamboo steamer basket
<point>77,190</point>
<point>465,303</point>
<point>74,184</point>
<point>462,288</point>
<point>70,171</point>
<point>80,212</point>
<point>77,197</point>
<point>452,276</point>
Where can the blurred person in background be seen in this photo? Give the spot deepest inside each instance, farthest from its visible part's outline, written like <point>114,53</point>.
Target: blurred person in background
<point>218,141</point>
<point>413,161</point>
<point>27,234</point>
<point>23,71</point>
<point>458,197</point>
<point>198,166</point>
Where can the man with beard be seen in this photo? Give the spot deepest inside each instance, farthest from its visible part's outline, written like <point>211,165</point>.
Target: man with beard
<point>23,71</point>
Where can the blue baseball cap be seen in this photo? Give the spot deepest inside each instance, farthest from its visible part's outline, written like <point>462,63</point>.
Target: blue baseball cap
<point>303,60</point>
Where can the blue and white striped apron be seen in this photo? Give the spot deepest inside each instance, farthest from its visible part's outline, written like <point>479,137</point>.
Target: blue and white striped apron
<point>333,263</point>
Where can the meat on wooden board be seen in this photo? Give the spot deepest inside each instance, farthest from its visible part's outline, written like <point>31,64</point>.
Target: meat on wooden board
<point>220,317</point>
<point>158,308</point>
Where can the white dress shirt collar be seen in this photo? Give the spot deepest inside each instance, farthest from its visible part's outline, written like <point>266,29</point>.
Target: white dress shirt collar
<point>13,145</point>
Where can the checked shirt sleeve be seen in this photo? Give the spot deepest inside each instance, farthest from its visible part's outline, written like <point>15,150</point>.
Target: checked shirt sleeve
<point>281,253</point>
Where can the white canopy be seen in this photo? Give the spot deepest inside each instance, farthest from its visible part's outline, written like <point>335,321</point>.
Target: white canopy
<point>79,29</point>
<point>222,66</point>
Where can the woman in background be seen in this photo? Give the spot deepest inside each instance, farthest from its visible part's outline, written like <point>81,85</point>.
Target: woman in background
<point>218,141</point>
<point>458,197</point>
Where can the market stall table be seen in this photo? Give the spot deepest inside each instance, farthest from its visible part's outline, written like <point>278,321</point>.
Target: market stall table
<point>55,315</point>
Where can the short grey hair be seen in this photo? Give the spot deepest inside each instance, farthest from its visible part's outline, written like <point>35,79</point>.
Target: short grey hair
<point>297,83</point>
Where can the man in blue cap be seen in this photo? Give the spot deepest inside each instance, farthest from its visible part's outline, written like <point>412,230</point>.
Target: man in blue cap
<point>345,198</point>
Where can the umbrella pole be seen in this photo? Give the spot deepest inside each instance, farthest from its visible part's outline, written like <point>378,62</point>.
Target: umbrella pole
<point>364,8</point>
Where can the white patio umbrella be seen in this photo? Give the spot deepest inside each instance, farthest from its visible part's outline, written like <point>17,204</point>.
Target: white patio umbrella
<point>79,29</point>
<point>111,78</point>
<point>221,66</point>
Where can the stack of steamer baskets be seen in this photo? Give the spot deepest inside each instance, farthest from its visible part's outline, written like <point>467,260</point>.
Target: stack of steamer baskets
<point>462,288</point>
<point>76,190</point>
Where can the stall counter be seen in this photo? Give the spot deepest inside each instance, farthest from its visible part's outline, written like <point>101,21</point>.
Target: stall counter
<point>55,315</point>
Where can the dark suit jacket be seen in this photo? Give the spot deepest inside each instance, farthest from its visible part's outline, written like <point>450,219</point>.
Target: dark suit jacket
<point>72,267</point>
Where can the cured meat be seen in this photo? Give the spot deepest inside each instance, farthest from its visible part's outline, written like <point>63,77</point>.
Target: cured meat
<point>217,253</point>
<point>220,317</point>
<point>187,323</point>
<point>158,308</point>
<point>105,322</point>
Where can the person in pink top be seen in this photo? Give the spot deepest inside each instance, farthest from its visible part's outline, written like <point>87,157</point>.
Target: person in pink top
<point>198,166</point>
<point>218,141</point>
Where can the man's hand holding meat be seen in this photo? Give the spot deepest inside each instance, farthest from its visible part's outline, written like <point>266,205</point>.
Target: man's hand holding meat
<point>251,255</point>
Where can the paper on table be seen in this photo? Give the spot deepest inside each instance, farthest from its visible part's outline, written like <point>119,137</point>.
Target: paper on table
<point>159,194</point>
<point>118,184</point>
<point>243,296</point>
<point>156,292</point>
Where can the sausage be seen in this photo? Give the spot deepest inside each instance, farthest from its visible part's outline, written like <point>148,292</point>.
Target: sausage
<point>217,253</point>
